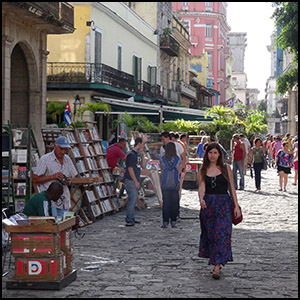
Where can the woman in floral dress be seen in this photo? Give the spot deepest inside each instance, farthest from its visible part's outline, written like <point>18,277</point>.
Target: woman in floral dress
<point>216,209</point>
<point>284,162</point>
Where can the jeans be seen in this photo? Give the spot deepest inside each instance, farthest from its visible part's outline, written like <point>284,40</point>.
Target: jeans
<point>257,171</point>
<point>237,166</point>
<point>132,193</point>
<point>170,207</point>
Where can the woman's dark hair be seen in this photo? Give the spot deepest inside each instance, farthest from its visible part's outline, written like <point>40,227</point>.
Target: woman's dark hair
<point>256,140</point>
<point>170,151</point>
<point>220,161</point>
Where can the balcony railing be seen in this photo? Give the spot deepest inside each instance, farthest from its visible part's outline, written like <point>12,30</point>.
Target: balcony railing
<point>89,73</point>
<point>57,13</point>
<point>169,45</point>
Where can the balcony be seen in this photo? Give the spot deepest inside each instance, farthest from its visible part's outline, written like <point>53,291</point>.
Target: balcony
<point>82,75</point>
<point>169,45</point>
<point>55,17</point>
<point>89,73</point>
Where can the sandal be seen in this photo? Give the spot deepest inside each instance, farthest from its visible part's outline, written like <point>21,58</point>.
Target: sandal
<point>216,274</point>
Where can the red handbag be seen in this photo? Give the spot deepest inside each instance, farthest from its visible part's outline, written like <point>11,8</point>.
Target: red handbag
<point>239,219</point>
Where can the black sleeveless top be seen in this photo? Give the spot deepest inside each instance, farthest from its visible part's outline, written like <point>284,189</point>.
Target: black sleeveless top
<point>216,185</point>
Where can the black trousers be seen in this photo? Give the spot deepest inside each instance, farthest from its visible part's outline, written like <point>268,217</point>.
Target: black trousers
<point>170,205</point>
<point>257,172</point>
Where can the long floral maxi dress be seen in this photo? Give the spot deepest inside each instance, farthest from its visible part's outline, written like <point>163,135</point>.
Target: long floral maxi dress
<point>216,229</point>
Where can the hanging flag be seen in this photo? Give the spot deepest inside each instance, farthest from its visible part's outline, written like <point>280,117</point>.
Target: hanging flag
<point>67,114</point>
<point>230,102</point>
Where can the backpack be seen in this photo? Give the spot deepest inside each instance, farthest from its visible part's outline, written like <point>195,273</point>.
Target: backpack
<point>170,176</point>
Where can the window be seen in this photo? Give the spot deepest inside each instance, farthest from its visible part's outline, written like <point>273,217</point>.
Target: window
<point>208,3</point>
<point>209,54</point>
<point>185,5</point>
<point>208,29</point>
<point>98,47</point>
<point>137,71</point>
<point>152,75</point>
<point>197,68</point>
<point>119,57</point>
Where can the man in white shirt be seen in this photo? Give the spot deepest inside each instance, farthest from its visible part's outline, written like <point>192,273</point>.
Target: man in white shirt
<point>247,144</point>
<point>56,165</point>
<point>165,138</point>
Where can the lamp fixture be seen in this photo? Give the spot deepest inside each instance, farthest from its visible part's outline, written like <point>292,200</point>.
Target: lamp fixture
<point>91,24</point>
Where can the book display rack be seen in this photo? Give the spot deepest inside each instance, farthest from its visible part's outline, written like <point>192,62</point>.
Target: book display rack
<point>93,193</point>
<point>20,156</point>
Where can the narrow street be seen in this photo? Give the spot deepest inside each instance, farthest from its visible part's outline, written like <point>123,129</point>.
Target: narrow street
<point>147,261</point>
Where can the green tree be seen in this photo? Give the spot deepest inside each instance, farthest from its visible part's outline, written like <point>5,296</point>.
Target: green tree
<point>286,19</point>
<point>55,111</point>
<point>93,107</point>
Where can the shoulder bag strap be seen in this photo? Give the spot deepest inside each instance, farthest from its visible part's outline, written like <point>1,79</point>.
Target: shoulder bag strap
<point>229,185</point>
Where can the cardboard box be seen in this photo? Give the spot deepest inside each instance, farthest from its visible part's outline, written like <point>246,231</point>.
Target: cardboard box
<point>35,244</point>
<point>39,269</point>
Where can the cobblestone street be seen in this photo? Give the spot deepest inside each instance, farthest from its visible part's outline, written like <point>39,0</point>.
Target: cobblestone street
<point>147,261</point>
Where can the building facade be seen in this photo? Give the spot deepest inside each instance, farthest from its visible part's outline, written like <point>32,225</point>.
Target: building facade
<point>208,30</point>
<point>113,54</point>
<point>25,27</point>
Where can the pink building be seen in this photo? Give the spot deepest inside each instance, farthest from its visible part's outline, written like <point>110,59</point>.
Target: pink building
<point>208,30</point>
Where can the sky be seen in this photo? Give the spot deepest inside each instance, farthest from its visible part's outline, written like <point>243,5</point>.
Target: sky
<point>254,18</point>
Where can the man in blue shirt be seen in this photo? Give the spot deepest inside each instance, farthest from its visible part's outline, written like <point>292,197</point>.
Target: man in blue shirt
<point>134,162</point>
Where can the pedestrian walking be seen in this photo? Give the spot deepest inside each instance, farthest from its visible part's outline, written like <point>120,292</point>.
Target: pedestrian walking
<point>56,165</point>
<point>269,150</point>
<point>256,156</point>
<point>216,209</point>
<point>288,139</point>
<point>135,160</point>
<point>171,167</point>
<point>200,151</point>
<point>246,142</point>
<point>239,154</point>
<point>284,160</point>
<point>296,164</point>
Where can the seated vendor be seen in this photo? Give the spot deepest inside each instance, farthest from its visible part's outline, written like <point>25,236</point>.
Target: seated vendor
<point>40,204</point>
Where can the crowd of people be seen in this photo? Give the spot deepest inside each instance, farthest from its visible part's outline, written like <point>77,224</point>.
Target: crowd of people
<point>216,178</point>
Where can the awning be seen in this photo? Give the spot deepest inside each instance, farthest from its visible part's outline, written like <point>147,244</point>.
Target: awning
<point>166,113</point>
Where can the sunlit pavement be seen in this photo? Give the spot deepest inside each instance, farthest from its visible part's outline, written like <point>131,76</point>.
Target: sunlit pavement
<point>147,261</point>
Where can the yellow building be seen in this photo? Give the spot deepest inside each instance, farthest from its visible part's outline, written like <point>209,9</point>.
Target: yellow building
<point>200,65</point>
<point>112,53</point>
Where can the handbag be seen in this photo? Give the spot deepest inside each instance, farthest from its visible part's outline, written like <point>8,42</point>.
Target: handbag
<point>235,220</point>
<point>265,167</point>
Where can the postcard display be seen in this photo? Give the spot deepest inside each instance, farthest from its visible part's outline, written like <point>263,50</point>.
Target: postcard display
<point>97,189</point>
<point>24,155</point>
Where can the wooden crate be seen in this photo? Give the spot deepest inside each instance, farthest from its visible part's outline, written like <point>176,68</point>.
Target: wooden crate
<point>35,244</point>
<point>65,240</point>
<point>39,269</point>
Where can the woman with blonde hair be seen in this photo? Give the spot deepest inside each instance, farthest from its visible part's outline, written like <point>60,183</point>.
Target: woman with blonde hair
<point>216,209</point>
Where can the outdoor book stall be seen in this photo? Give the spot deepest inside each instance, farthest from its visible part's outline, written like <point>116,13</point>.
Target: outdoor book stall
<point>43,252</point>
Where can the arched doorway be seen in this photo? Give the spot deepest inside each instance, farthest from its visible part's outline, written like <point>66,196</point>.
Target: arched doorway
<point>19,88</point>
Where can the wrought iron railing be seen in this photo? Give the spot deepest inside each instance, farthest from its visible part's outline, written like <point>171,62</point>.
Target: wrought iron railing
<point>169,45</point>
<point>88,73</point>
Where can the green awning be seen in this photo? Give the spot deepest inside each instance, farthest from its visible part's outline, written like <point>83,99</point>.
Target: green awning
<point>172,116</point>
<point>163,112</point>
<point>118,109</point>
